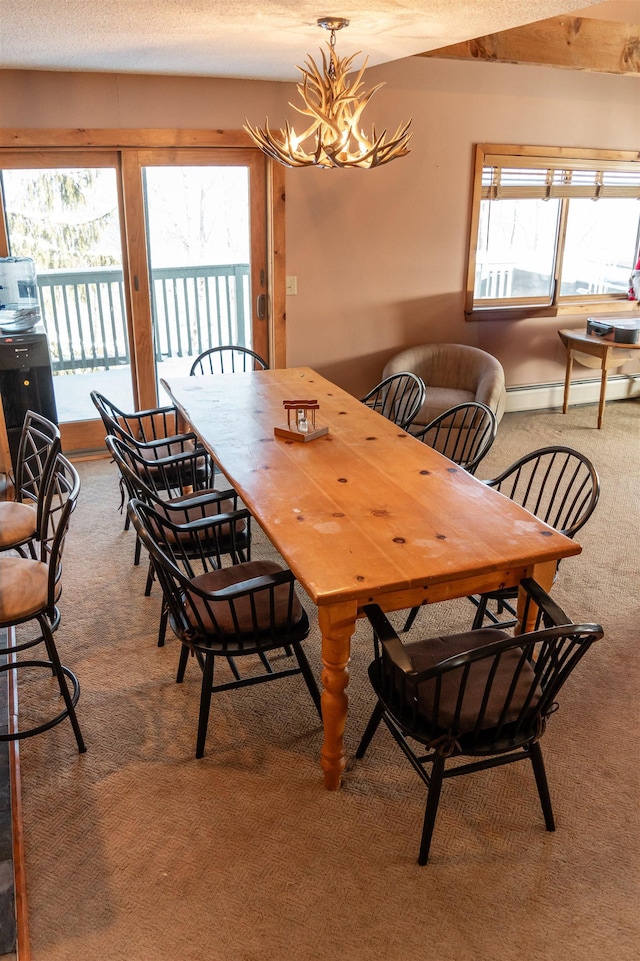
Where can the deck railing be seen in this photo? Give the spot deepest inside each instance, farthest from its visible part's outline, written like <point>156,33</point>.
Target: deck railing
<point>193,308</point>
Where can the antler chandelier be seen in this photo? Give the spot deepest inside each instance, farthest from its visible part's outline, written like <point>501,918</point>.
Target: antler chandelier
<point>335,105</point>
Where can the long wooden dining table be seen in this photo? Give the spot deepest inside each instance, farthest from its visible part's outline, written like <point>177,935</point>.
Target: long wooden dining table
<point>365,513</point>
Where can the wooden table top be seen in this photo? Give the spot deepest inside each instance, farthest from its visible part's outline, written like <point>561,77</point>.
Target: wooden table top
<point>365,509</point>
<point>582,337</point>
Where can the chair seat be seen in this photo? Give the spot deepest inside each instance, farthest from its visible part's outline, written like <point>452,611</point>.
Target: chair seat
<point>439,399</point>
<point>428,653</point>
<point>24,587</point>
<point>247,609</point>
<point>260,600</point>
<point>17,523</point>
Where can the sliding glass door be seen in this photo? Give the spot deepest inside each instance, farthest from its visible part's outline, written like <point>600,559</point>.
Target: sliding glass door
<point>206,254</point>
<point>144,258</point>
<point>63,212</point>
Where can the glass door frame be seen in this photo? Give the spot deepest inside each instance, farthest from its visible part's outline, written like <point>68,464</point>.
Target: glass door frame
<point>134,163</point>
<point>125,149</point>
<point>76,435</point>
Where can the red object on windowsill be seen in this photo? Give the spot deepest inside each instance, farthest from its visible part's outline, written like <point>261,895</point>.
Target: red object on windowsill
<point>634,283</point>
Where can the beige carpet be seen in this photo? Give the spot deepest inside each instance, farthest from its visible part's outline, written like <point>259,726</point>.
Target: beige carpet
<point>136,851</point>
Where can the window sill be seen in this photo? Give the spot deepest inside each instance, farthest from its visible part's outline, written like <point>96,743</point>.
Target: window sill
<point>624,308</point>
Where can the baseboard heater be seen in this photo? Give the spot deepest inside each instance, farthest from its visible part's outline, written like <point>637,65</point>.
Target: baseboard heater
<point>545,396</point>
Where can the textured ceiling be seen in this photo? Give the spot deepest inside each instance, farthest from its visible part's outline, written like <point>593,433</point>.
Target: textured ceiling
<point>237,38</point>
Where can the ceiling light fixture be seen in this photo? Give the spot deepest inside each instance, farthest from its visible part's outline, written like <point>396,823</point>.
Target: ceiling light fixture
<point>335,105</point>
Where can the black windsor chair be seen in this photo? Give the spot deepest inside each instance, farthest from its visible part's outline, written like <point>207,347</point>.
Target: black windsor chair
<point>561,487</point>
<point>482,694</point>
<point>243,611</point>
<point>187,503</point>
<point>398,397</point>
<point>463,433</point>
<point>155,435</point>
<point>227,360</point>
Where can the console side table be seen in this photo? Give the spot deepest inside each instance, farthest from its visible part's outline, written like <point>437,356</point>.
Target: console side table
<point>610,354</point>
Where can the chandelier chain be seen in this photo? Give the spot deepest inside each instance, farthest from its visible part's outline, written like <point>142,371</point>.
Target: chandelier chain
<point>332,45</point>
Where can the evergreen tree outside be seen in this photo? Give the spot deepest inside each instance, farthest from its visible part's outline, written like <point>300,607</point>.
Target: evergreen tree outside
<point>63,218</point>
<point>67,220</point>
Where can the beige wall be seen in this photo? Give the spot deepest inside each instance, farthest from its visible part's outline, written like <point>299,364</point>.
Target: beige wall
<point>379,255</point>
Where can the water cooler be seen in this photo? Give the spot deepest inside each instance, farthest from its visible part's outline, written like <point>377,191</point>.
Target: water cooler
<point>26,382</point>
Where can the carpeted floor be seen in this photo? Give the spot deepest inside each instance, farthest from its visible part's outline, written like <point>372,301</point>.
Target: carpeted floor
<point>136,851</point>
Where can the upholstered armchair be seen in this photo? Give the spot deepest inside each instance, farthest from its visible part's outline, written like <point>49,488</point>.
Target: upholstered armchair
<point>453,374</point>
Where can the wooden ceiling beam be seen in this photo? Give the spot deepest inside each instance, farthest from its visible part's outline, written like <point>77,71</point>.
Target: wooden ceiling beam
<point>574,43</point>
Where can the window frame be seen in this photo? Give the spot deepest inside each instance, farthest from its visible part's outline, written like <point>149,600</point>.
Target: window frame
<point>530,156</point>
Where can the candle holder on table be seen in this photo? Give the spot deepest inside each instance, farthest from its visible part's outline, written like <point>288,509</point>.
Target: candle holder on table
<point>301,421</point>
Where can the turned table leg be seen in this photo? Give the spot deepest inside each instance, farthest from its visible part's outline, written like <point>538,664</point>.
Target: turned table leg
<point>337,624</point>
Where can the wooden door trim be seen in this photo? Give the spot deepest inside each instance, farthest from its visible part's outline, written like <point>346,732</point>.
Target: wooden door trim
<point>276,239</point>
<point>137,282</point>
<point>49,138</point>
